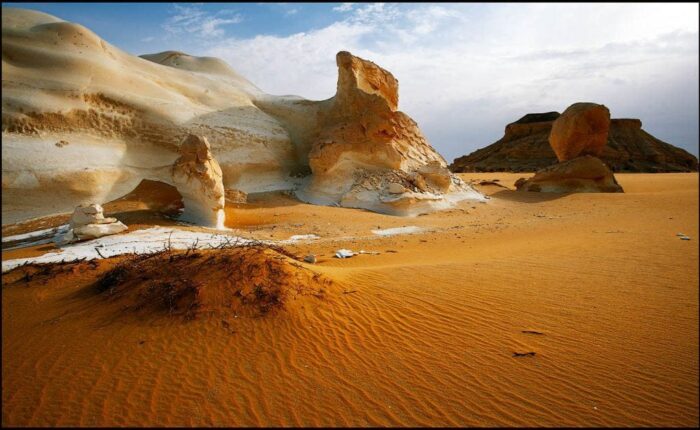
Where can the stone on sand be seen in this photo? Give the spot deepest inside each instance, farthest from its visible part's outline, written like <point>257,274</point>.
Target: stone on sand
<point>585,174</point>
<point>89,222</point>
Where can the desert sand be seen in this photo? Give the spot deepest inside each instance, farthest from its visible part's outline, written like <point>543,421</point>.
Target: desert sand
<point>436,329</point>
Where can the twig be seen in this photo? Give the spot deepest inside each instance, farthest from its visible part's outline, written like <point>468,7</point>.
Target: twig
<point>99,253</point>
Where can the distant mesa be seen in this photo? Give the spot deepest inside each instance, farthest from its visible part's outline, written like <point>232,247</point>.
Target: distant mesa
<point>125,117</point>
<point>525,148</point>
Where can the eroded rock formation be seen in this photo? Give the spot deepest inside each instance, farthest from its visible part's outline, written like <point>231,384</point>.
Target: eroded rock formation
<point>525,148</point>
<point>120,119</point>
<point>198,178</point>
<point>585,174</point>
<point>576,137</point>
<point>364,144</point>
<point>89,222</point>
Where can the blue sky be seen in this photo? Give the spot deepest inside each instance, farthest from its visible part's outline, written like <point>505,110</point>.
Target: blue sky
<point>465,70</point>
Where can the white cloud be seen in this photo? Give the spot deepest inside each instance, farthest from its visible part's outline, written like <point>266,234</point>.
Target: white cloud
<point>193,20</point>
<point>344,7</point>
<point>466,70</point>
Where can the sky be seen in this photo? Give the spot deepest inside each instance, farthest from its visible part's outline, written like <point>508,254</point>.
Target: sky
<point>465,70</point>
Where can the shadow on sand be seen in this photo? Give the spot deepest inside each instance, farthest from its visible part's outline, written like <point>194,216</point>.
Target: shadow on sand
<point>526,196</point>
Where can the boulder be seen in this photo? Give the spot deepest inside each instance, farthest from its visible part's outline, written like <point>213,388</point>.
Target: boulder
<point>88,222</point>
<point>93,231</point>
<point>584,174</point>
<point>581,130</point>
<point>198,178</point>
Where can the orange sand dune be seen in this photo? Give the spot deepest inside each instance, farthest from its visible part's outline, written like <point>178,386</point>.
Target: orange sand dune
<point>436,332</point>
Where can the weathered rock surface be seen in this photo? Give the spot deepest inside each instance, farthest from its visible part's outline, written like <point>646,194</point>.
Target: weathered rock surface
<point>525,148</point>
<point>124,117</point>
<point>581,130</point>
<point>235,196</point>
<point>89,222</point>
<point>364,143</point>
<point>198,178</point>
<point>586,174</point>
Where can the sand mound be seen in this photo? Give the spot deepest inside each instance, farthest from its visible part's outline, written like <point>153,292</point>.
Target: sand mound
<point>243,281</point>
<point>250,280</point>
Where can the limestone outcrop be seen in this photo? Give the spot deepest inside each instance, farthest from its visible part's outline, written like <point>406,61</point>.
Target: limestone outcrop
<point>364,144</point>
<point>525,147</point>
<point>120,120</point>
<point>581,130</point>
<point>585,174</point>
<point>89,222</point>
<point>198,178</point>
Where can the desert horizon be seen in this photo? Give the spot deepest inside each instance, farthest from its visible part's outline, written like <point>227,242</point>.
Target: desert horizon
<point>181,247</point>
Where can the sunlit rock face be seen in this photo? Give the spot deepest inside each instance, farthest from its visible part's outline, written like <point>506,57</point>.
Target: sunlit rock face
<point>364,144</point>
<point>84,122</point>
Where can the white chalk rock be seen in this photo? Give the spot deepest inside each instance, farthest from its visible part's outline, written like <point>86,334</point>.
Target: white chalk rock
<point>90,214</point>
<point>344,253</point>
<point>198,178</point>
<point>93,231</point>
<point>89,222</point>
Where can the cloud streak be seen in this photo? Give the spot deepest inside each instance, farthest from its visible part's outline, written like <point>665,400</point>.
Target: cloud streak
<point>194,20</point>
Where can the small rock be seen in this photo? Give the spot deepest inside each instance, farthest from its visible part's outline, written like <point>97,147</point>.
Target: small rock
<point>524,354</point>
<point>310,259</point>
<point>344,253</point>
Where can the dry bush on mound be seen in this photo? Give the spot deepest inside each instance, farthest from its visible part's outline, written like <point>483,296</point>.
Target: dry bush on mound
<point>252,279</point>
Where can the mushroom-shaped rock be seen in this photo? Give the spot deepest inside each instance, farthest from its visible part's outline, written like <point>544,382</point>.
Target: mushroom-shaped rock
<point>585,174</point>
<point>581,130</point>
<point>198,178</point>
<point>88,222</point>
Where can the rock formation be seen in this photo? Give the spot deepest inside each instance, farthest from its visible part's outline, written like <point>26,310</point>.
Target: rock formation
<point>364,145</point>
<point>88,222</point>
<point>576,136</point>
<point>585,174</point>
<point>120,120</point>
<point>581,130</point>
<point>197,177</point>
<point>525,148</point>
